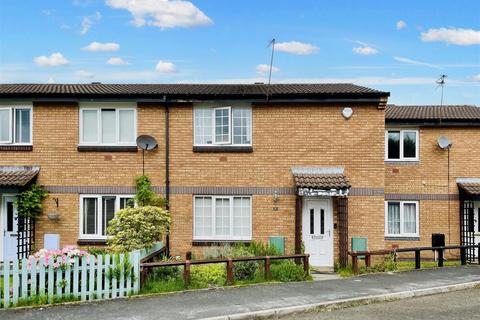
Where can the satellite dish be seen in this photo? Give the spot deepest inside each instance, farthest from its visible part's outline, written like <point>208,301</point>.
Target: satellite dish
<point>347,112</point>
<point>146,142</point>
<point>443,142</point>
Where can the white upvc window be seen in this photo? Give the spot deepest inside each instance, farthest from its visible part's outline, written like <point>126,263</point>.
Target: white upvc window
<point>401,218</point>
<point>108,126</point>
<point>222,218</point>
<point>222,125</point>
<point>401,145</point>
<point>96,211</point>
<point>16,124</point>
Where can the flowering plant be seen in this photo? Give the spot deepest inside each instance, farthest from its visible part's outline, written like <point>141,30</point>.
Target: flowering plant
<point>67,256</point>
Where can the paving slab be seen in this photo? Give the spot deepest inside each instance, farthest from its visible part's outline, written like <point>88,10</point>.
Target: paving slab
<point>252,299</point>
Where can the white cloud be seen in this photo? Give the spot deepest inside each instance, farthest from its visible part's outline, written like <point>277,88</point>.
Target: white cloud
<point>296,47</point>
<point>162,13</point>
<point>88,21</point>
<point>97,46</point>
<point>165,67</point>
<point>265,68</point>
<point>51,80</point>
<point>461,37</point>
<point>475,78</point>
<point>401,24</point>
<point>54,60</point>
<point>417,63</point>
<point>366,51</point>
<point>117,61</point>
<point>84,74</point>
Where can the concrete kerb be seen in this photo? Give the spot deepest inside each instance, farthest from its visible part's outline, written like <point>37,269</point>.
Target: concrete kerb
<point>337,304</point>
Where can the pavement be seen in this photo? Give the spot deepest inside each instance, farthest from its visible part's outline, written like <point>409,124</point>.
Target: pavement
<point>463,304</point>
<point>267,300</point>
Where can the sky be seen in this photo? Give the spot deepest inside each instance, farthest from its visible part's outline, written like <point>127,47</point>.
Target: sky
<point>398,46</point>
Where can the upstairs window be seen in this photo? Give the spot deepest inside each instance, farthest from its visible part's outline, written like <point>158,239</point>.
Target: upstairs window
<point>16,125</point>
<point>108,126</point>
<point>401,145</point>
<point>224,125</point>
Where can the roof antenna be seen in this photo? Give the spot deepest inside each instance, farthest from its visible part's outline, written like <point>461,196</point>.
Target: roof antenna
<point>271,43</point>
<point>441,83</point>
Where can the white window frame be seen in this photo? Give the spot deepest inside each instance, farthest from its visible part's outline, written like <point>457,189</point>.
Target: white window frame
<point>13,125</point>
<point>403,234</point>
<point>98,235</point>
<point>222,238</point>
<point>214,132</point>
<point>99,126</point>
<point>402,131</point>
<point>230,134</point>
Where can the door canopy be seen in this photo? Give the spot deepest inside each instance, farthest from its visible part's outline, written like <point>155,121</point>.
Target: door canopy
<point>18,176</point>
<point>321,181</point>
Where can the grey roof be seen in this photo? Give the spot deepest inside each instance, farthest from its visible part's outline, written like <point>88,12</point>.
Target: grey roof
<point>17,176</point>
<point>432,112</point>
<point>292,90</point>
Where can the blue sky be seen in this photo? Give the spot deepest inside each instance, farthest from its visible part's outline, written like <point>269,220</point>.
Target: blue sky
<point>398,46</point>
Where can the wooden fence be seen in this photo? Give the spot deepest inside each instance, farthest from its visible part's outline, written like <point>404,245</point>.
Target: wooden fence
<point>146,266</point>
<point>28,281</point>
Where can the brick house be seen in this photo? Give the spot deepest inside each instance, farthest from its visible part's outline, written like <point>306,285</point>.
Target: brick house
<point>305,162</point>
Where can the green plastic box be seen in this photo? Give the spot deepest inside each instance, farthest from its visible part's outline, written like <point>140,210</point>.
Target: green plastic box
<point>277,242</point>
<point>359,244</point>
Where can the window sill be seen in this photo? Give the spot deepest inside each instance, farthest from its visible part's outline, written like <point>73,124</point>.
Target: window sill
<point>107,149</point>
<point>91,242</point>
<point>13,147</point>
<point>400,238</point>
<point>210,243</point>
<point>402,162</point>
<point>227,149</point>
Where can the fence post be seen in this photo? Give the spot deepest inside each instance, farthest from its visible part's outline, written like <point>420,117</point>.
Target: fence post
<point>417,259</point>
<point>440,258</point>
<point>268,274</point>
<point>306,267</point>
<point>186,272</point>
<point>229,271</point>
<point>463,256</point>
<point>368,260</point>
<point>355,264</point>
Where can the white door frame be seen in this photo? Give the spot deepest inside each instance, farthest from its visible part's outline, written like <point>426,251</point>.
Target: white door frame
<point>3,214</point>
<point>329,226</point>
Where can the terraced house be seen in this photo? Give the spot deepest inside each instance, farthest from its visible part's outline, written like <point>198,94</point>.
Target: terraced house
<point>317,164</point>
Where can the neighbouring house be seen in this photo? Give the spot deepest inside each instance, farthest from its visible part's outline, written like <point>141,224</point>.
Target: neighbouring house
<point>313,164</point>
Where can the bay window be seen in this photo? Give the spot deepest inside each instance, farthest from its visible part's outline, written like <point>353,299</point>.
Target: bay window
<point>108,126</point>
<point>401,145</point>
<point>401,219</point>
<point>223,125</point>
<point>16,125</point>
<point>222,218</point>
<point>96,211</point>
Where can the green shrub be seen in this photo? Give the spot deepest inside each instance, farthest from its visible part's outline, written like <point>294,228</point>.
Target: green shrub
<point>145,195</point>
<point>137,228</point>
<point>220,251</point>
<point>208,275</point>
<point>97,251</point>
<point>166,273</point>
<point>286,271</point>
<point>168,285</point>
<point>258,248</point>
<point>29,202</point>
<point>243,270</point>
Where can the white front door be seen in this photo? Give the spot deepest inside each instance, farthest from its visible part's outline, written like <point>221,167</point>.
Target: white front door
<point>10,228</point>
<point>317,232</point>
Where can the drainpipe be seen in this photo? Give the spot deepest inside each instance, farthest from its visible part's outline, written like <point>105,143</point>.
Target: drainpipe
<point>167,167</point>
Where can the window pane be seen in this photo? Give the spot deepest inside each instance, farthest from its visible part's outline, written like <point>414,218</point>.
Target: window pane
<point>90,126</point>
<point>409,144</point>
<point>242,118</point>
<point>10,216</point>
<point>109,126</point>
<point>126,203</point>
<point>203,217</point>
<point>22,125</point>
<point>127,126</point>
<point>5,125</point>
<point>394,218</point>
<point>241,217</point>
<point>409,218</point>
<point>90,215</point>
<point>222,129</point>
<point>312,221</point>
<point>203,125</point>
<point>393,144</point>
<point>108,207</point>
<point>222,217</point>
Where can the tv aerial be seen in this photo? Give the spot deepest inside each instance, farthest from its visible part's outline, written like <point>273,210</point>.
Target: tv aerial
<point>441,83</point>
<point>146,142</point>
<point>444,143</point>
